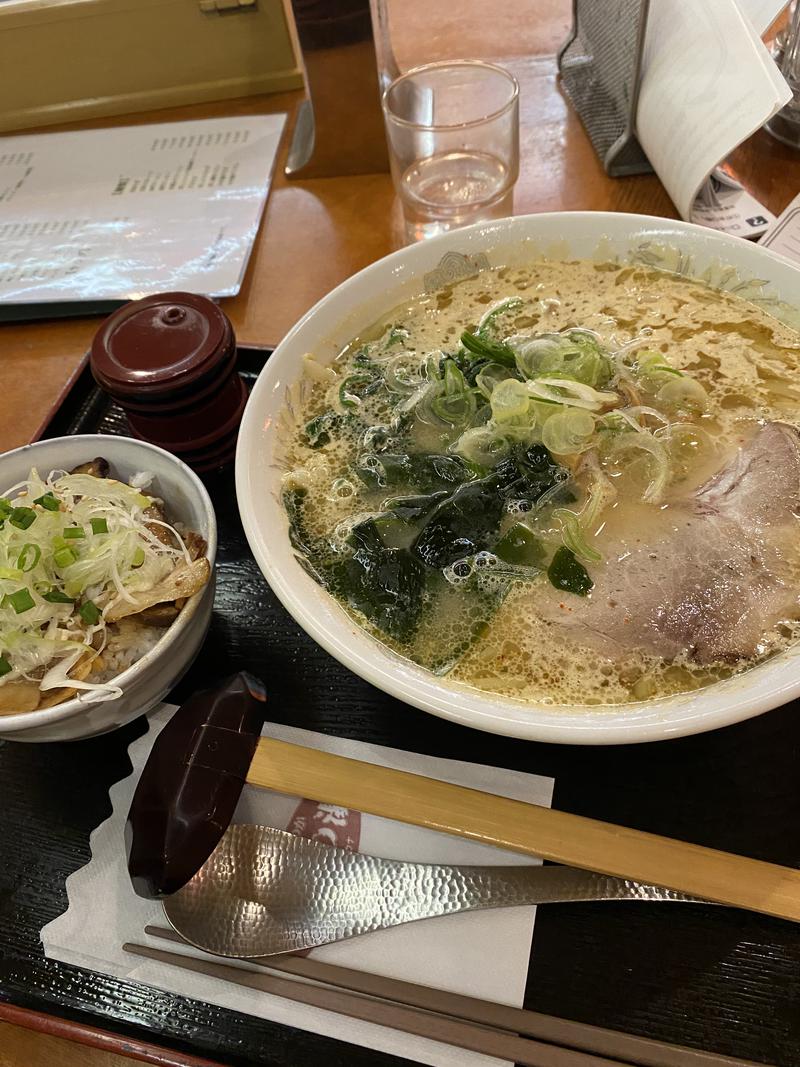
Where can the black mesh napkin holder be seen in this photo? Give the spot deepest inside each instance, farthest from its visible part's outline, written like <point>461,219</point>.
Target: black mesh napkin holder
<point>600,66</point>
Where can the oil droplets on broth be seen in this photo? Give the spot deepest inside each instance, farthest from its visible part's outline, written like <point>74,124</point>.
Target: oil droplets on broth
<point>483,477</point>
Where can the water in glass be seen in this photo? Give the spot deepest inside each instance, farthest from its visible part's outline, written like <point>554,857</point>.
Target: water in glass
<point>453,189</point>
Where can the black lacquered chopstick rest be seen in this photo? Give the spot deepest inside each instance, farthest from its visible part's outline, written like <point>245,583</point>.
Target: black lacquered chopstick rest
<point>191,784</point>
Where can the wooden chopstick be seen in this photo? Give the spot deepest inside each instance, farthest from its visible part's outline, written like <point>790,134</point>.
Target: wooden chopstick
<point>396,1016</point>
<point>593,1040</point>
<point>530,829</point>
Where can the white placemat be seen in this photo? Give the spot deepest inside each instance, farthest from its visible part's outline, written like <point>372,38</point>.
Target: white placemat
<point>481,954</point>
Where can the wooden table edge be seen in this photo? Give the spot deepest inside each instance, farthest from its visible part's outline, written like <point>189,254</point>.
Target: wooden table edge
<point>103,1040</point>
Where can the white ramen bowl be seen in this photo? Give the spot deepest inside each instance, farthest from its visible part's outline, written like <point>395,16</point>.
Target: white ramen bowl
<point>373,292</point>
<point>150,678</point>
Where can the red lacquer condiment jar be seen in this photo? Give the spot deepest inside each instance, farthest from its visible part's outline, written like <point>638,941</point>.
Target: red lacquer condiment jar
<point>170,362</point>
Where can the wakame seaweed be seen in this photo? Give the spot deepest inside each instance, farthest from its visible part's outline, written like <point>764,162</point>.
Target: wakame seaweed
<point>568,573</point>
<point>385,584</point>
<point>294,501</point>
<point>392,569</point>
<point>423,471</point>
<point>528,473</point>
<point>462,524</point>
<point>411,509</point>
<point>520,547</point>
<point>468,521</point>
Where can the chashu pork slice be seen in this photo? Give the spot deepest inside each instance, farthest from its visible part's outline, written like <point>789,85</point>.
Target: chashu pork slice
<point>718,579</point>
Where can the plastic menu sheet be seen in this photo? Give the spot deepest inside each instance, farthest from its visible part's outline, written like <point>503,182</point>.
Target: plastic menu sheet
<point>784,234</point>
<point>116,214</point>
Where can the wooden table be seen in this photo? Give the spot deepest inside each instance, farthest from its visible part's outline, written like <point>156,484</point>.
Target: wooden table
<point>317,233</point>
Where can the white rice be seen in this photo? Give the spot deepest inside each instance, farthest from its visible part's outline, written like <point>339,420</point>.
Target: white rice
<point>128,642</point>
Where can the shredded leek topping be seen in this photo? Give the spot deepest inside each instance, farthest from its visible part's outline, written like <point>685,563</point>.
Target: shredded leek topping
<point>72,546</point>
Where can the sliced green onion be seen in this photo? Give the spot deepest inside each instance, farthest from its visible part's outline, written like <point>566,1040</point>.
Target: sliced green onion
<point>74,533</point>
<point>138,557</point>
<point>510,400</point>
<point>490,376</point>
<point>483,445</point>
<point>48,502</point>
<point>10,573</point>
<point>575,354</point>
<point>55,596</point>
<point>99,526</point>
<point>348,397</point>
<point>489,320</point>
<point>64,557</point>
<point>659,466</point>
<point>5,507</point>
<point>683,393</point>
<point>403,373</point>
<point>449,400</point>
<point>571,393</point>
<point>395,336</point>
<point>651,364</point>
<point>568,432</point>
<point>89,612</point>
<point>28,557</point>
<point>20,601</point>
<point>574,536</point>
<point>5,666</point>
<point>22,518</point>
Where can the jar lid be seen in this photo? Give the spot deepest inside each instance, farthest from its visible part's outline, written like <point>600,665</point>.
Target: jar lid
<point>159,344</point>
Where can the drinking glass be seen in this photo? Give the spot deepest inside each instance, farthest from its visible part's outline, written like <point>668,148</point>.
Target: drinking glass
<point>453,135</point>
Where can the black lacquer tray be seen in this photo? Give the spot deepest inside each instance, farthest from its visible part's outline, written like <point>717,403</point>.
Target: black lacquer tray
<point>715,978</point>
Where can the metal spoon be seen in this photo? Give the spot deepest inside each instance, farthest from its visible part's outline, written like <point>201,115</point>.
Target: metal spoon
<point>265,891</point>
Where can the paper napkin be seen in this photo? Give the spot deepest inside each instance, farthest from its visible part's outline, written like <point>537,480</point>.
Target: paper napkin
<point>481,954</point>
<point>708,82</point>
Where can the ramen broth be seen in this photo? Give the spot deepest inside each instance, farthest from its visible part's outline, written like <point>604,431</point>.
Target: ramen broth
<point>494,446</point>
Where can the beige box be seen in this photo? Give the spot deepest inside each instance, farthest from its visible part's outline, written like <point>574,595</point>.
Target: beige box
<point>63,60</point>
